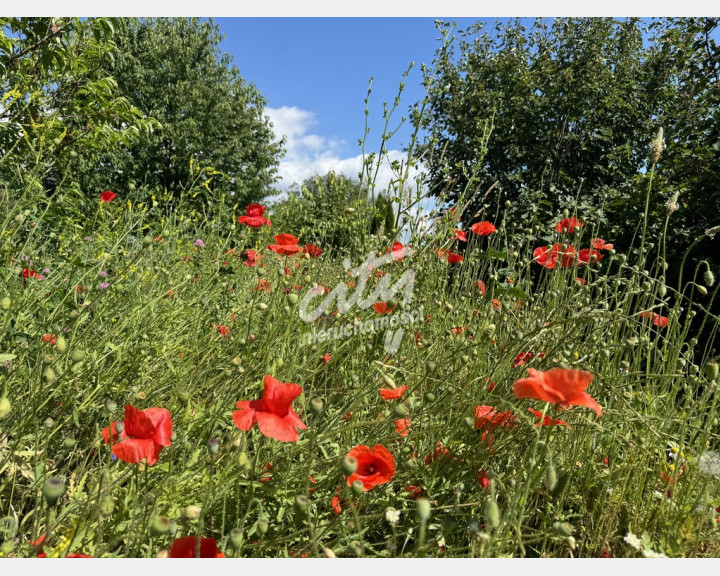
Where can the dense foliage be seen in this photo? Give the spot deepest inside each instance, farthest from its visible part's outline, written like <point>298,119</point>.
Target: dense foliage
<point>572,106</point>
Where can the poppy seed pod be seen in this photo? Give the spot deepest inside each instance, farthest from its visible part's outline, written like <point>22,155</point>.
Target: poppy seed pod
<point>317,405</point>
<point>111,406</point>
<point>357,487</point>
<point>61,345</point>
<point>236,538</point>
<point>53,488</point>
<point>349,465</point>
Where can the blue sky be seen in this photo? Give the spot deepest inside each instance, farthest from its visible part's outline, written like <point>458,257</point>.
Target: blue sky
<point>315,73</point>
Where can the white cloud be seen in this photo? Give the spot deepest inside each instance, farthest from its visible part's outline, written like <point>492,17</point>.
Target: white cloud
<point>309,153</point>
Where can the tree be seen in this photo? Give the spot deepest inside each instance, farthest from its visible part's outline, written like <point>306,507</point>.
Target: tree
<point>572,107</point>
<point>173,70</point>
<point>56,102</point>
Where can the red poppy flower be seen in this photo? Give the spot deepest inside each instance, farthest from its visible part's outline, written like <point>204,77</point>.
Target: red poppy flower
<point>375,466</point>
<point>402,426</point>
<point>547,421</point>
<point>262,284</point>
<point>524,357</point>
<point>49,339</point>
<point>312,250</point>
<point>273,413</point>
<point>589,255</point>
<point>397,250</point>
<point>460,235</point>
<point>659,321</point>
<point>415,491</point>
<point>392,394</point>
<point>483,228</point>
<point>483,479</point>
<point>481,285</point>
<point>581,281</point>
<point>108,196</point>
<point>326,358</point>
<point>287,245</point>
<point>599,244</point>
<point>487,418</point>
<point>144,435</point>
<point>440,452</point>
<point>458,329</point>
<point>187,548</point>
<point>27,273</point>
<point>568,225</point>
<point>254,216</point>
<point>548,256</point>
<point>382,308</point>
<point>251,257</point>
<point>496,304</point>
<point>558,386</point>
<point>449,256</point>
<point>223,330</point>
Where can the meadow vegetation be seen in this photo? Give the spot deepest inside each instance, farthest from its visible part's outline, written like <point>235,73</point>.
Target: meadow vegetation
<point>557,397</point>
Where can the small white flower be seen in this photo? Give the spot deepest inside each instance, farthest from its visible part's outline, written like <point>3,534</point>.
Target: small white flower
<point>633,541</point>
<point>710,463</point>
<point>441,542</point>
<point>392,516</point>
<point>653,554</point>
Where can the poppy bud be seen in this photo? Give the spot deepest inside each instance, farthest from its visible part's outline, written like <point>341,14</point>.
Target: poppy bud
<point>357,487</point>
<point>49,375</point>
<point>349,210</point>
<point>107,505</point>
<point>5,303</point>
<point>252,338</point>
<point>431,366</point>
<point>261,271</point>
<point>317,405</point>
<point>147,241</point>
<point>389,382</point>
<point>694,369</point>
<point>349,466</point>
<point>422,509</point>
<point>571,542</point>
<point>48,359</point>
<point>111,406</point>
<point>183,396</point>
<point>302,503</point>
<point>262,306</point>
<point>193,512</point>
<point>5,407</point>
<point>400,409</point>
<point>243,461</point>
<point>236,538</point>
<point>119,427</point>
<point>77,355</point>
<point>711,373</point>
<point>263,525</point>
<point>707,277</point>
<point>49,423</point>
<point>53,488</point>
<point>550,477</point>
<point>701,289</point>
<point>492,514</point>
<point>662,291</point>
<point>159,525</point>
<point>292,299</point>
<point>68,442</point>
<point>429,397</point>
<point>61,345</point>
<point>562,529</point>
<point>213,445</point>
